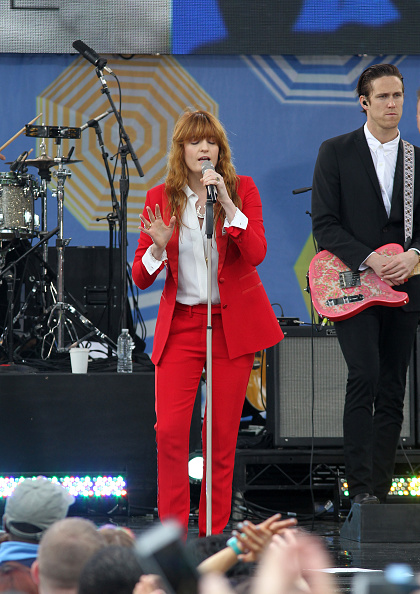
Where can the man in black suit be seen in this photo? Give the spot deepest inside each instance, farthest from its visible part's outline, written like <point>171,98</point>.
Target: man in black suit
<point>358,206</point>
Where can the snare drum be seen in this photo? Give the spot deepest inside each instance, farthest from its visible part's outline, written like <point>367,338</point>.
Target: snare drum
<point>17,194</point>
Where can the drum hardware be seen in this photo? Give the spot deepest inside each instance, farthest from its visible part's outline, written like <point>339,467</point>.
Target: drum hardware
<point>59,132</point>
<point>8,276</point>
<point>17,195</point>
<point>61,316</point>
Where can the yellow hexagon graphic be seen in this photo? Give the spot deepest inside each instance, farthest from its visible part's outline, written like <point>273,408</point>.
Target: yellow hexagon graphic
<point>155,90</point>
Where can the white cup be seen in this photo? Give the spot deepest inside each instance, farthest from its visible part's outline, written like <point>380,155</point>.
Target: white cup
<point>79,360</point>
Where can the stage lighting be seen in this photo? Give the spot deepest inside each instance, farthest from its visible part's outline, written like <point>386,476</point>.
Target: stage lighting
<point>94,493</point>
<point>403,488</point>
<point>195,467</point>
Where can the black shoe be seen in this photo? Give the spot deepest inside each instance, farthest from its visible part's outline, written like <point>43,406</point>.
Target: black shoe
<point>365,498</point>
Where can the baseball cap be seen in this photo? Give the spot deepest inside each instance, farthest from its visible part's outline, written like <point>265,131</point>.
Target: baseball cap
<point>34,505</point>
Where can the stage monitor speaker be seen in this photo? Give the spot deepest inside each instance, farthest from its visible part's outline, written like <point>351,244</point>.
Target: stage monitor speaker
<point>306,383</point>
<point>86,281</point>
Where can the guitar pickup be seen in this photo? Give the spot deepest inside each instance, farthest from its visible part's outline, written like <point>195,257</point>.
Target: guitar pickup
<point>344,300</point>
<point>349,279</point>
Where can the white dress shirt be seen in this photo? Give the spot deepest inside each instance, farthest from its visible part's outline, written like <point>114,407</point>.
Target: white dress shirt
<point>385,159</point>
<point>192,263</point>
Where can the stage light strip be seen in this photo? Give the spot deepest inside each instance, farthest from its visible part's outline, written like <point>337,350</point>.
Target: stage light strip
<point>78,486</point>
<point>407,486</point>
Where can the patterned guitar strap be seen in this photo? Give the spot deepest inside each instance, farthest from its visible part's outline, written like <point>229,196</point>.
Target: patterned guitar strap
<point>408,192</point>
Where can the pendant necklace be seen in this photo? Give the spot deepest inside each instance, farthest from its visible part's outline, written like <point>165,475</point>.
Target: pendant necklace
<point>199,213</point>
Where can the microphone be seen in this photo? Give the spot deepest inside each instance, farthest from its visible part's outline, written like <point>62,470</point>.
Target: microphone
<point>301,190</point>
<point>91,123</point>
<point>16,164</point>
<point>211,190</point>
<point>91,56</point>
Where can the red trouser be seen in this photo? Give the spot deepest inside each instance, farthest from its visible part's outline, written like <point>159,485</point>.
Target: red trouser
<point>177,378</point>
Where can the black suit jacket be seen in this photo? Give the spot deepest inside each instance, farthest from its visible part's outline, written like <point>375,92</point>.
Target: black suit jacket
<point>348,214</point>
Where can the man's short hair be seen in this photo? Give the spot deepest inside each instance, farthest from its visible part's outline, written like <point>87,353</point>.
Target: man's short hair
<point>112,569</point>
<point>364,85</point>
<point>34,506</point>
<point>64,550</point>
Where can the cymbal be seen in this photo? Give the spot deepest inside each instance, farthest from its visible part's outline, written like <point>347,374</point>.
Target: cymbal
<point>45,162</point>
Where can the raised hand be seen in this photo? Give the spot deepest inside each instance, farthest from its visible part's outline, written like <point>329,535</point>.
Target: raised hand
<point>157,230</point>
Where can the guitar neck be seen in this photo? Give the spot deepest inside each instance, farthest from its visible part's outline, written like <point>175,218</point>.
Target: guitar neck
<point>416,270</point>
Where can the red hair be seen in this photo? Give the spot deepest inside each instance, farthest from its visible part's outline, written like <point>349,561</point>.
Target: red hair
<point>197,125</point>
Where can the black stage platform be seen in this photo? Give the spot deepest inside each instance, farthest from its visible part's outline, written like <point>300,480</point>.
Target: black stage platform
<point>57,422</point>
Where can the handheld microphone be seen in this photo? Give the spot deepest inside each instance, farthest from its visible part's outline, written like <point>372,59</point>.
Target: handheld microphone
<point>94,121</point>
<point>301,190</point>
<point>17,163</point>
<point>211,190</point>
<point>91,56</point>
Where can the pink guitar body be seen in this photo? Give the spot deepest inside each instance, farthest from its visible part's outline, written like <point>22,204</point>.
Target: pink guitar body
<point>338,294</point>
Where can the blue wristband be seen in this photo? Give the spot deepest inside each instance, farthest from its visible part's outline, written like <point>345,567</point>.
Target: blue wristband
<point>233,544</point>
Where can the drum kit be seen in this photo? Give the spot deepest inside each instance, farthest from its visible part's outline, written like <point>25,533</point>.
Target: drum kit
<point>58,325</point>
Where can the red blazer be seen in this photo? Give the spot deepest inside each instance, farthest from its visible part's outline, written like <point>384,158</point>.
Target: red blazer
<point>248,319</point>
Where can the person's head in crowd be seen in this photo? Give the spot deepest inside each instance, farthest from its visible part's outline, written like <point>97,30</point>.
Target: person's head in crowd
<point>16,577</point>
<point>34,506</point>
<point>112,569</point>
<point>117,535</point>
<point>64,550</point>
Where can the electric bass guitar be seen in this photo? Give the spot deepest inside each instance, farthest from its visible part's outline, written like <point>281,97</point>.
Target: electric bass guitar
<point>338,293</point>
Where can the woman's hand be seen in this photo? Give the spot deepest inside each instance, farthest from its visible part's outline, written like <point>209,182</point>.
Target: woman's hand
<point>212,178</point>
<point>157,230</point>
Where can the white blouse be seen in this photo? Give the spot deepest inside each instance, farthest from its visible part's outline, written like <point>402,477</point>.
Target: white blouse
<point>192,264</point>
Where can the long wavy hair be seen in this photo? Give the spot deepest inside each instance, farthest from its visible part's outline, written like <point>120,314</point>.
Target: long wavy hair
<point>196,125</point>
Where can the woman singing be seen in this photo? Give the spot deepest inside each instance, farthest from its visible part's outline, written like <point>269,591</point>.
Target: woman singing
<point>243,322</point>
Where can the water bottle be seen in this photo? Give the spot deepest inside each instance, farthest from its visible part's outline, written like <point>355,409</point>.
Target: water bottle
<point>125,347</point>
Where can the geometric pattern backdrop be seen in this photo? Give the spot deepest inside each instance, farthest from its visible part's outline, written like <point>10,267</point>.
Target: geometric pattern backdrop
<point>277,110</point>
<point>155,90</point>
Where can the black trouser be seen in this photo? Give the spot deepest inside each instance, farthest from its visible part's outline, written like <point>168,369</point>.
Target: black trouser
<point>376,345</point>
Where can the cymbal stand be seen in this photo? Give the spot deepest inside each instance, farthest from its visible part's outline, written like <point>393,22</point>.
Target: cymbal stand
<point>62,322</point>
<point>45,175</point>
<point>61,176</point>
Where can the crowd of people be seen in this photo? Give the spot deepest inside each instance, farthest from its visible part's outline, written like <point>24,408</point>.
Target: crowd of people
<point>45,551</point>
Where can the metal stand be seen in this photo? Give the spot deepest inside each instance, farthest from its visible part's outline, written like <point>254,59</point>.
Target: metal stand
<point>59,308</point>
<point>209,369</point>
<point>124,150</point>
<point>9,277</point>
<point>61,175</point>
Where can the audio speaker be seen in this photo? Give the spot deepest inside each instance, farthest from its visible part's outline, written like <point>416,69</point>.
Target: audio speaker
<point>86,282</point>
<point>306,384</point>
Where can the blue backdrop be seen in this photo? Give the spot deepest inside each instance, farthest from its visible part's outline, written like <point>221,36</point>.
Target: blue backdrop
<point>276,109</point>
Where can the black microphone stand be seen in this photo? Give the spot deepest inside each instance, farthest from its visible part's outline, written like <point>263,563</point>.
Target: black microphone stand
<point>124,187</point>
<point>111,218</point>
<point>211,198</point>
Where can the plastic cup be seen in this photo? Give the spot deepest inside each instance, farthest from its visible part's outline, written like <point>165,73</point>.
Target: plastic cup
<point>79,360</point>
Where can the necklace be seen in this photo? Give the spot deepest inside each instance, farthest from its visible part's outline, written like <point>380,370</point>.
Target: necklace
<point>199,213</point>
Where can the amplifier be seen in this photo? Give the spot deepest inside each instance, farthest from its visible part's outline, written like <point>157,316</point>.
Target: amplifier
<point>306,384</point>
